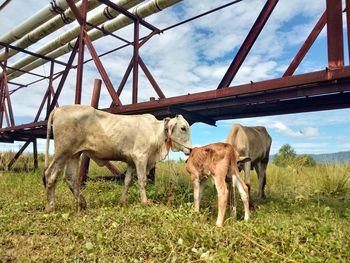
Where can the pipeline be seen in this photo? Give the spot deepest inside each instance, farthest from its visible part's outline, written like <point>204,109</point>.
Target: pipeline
<point>49,27</point>
<point>104,15</point>
<point>55,7</point>
<point>119,22</point>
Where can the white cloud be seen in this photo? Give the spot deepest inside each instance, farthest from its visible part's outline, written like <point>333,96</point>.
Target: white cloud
<point>281,127</point>
<point>310,132</point>
<point>194,57</point>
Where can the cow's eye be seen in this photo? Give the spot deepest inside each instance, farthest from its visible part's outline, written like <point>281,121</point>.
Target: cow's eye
<point>183,128</point>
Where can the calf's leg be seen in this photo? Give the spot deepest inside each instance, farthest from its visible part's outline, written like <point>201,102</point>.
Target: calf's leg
<point>72,179</point>
<point>221,188</point>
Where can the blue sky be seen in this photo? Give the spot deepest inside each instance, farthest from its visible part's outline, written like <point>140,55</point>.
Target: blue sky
<point>194,57</point>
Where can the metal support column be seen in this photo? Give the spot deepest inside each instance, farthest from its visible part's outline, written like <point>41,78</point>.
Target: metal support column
<point>248,43</point>
<point>85,160</point>
<point>307,45</point>
<point>335,34</point>
<point>135,61</point>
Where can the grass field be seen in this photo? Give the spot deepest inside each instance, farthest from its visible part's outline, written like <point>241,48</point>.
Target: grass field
<point>305,218</point>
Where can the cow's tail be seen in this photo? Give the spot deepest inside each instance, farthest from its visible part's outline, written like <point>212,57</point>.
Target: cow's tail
<point>235,172</point>
<point>48,135</point>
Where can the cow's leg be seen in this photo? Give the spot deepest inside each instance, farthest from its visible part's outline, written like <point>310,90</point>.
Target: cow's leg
<point>127,181</point>
<point>232,197</point>
<point>261,172</point>
<point>142,180</point>
<point>247,167</point>
<point>72,179</point>
<point>243,191</point>
<point>221,188</point>
<point>51,179</point>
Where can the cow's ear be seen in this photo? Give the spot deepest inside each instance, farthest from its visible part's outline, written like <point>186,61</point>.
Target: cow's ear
<point>167,126</point>
<point>243,159</point>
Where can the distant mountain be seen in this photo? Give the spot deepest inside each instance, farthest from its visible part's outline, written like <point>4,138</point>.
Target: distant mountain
<point>339,157</point>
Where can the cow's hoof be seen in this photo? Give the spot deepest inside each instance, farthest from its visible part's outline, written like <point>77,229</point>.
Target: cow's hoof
<point>50,209</point>
<point>82,206</point>
<point>82,203</point>
<point>147,203</point>
<point>234,213</point>
<point>122,201</point>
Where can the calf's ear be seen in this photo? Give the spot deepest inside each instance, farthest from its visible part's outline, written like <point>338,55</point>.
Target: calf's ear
<point>243,159</point>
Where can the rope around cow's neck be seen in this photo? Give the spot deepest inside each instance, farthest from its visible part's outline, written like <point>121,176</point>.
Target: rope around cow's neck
<point>170,140</point>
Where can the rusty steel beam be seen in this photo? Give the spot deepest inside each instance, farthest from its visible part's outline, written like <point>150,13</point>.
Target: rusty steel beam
<point>4,4</point>
<point>9,105</point>
<point>130,15</point>
<point>35,154</point>
<point>32,53</point>
<point>114,170</point>
<point>63,79</point>
<point>85,160</point>
<point>102,71</point>
<point>5,90</point>
<point>51,91</point>
<point>135,67</point>
<point>27,72</point>
<point>2,97</point>
<point>248,43</point>
<point>46,95</point>
<point>81,17</point>
<point>104,31</point>
<point>3,85</point>
<point>125,77</point>
<point>347,3</point>
<point>151,79</point>
<point>309,97</point>
<point>24,126</point>
<point>318,103</point>
<point>307,45</point>
<point>267,85</point>
<point>18,154</point>
<point>200,15</point>
<point>335,34</point>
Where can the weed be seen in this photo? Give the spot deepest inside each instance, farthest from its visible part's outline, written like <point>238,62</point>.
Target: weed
<point>305,218</point>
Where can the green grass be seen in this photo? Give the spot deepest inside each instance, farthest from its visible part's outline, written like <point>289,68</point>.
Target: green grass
<point>306,218</point>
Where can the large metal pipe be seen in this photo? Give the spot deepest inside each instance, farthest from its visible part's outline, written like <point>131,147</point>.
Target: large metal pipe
<point>119,22</point>
<point>104,15</point>
<point>54,8</point>
<point>49,27</point>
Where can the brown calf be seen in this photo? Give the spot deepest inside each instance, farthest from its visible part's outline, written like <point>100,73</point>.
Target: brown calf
<point>218,161</point>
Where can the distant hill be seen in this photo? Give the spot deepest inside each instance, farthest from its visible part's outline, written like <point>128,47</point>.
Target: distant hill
<point>339,157</point>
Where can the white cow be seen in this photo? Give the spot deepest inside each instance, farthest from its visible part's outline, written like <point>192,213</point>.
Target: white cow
<point>139,140</point>
<point>254,142</point>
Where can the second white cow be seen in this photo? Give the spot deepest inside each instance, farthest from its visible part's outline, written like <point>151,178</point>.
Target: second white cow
<point>139,140</point>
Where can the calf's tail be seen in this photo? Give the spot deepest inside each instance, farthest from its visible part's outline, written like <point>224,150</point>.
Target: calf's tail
<point>48,135</point>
